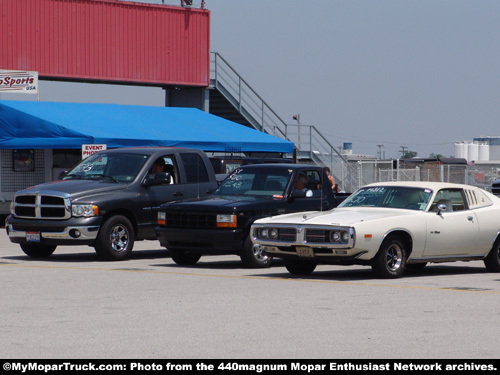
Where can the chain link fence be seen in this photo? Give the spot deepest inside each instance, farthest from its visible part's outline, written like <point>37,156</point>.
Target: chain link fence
<point>361,172</point>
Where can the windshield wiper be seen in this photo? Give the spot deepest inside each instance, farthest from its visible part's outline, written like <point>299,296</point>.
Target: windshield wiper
<point>73,177</point>
<point>101,176</point>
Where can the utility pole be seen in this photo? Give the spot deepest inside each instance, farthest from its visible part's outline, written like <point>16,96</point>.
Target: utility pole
<point>403,151</point>
<point>379,153</point>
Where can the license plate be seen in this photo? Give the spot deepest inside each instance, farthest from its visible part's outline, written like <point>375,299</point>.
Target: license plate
<point>305,252</point>
<point>33,236</point>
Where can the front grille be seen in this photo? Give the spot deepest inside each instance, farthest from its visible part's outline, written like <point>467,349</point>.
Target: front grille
<point>281,234</point>
<point>287,234</point>
<point>317,235</point>
<point>183,219</point>
<point>31,206</point>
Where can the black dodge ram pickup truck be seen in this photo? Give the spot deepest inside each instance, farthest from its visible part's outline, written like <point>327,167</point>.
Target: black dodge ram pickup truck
<point>108,201</point>
<point>220,224</point>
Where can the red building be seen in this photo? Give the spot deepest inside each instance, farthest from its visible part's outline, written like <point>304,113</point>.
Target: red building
<point>106,41</point>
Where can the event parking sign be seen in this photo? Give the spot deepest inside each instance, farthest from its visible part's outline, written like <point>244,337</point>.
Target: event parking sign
<point>88,150</point>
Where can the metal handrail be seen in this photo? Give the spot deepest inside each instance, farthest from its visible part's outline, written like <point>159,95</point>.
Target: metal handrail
<point>223,74</point>
<point>258,113</point>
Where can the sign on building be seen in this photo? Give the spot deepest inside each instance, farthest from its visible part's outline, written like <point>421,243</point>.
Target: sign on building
<point>19,81</point>
<point>88,150</point>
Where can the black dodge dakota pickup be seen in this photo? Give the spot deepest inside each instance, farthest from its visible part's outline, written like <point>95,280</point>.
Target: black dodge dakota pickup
<point>220,223</point>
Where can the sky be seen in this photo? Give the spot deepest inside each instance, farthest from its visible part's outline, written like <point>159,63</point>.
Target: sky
<point>418,74</point>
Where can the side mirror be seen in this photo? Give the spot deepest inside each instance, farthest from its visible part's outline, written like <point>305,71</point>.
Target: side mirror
<point>160,178</point>
<point>441,207</point>
<point>297,194</point>
<point>62,174</point>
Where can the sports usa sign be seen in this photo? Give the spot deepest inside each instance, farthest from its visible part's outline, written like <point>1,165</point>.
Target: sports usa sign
<point>19,81</point>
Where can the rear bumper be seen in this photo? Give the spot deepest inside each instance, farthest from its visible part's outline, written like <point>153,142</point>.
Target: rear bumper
<point>203,241</point>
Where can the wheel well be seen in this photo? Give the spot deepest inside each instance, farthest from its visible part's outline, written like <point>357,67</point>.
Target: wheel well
<point>404,236</point>
<point>497,241</point>
<point>129,215</point>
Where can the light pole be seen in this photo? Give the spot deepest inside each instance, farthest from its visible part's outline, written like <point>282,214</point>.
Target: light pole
<point>297,118</point>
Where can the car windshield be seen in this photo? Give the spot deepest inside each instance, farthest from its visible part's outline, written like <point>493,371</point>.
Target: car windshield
<point>262,182</point>
<point>115,167</point>
<point>389,196</point>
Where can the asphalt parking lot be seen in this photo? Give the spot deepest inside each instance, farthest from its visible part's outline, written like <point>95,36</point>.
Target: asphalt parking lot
<point>72,305</point>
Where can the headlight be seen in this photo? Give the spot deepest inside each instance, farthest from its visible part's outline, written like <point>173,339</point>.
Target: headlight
<point>86,210</point>
<point>335,236</point>
<point>267,233</point>
<point>226,221</point>
<point>345,237</point>
<point>162,218</point>
<point>339,236</point>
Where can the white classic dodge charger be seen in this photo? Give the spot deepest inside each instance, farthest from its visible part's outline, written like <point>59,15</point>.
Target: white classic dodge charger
<point>389,226</point>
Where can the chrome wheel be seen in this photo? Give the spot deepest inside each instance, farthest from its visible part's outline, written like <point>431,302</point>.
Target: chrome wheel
<point>119,238</point>
<point>115,239</point>
<point>253,256</point>
<point>394,257</point>
<point>259,254</point>
<point>390,260</point>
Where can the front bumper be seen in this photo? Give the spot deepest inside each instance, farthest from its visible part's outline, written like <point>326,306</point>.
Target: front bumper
<point>76,231</point>
<point>318,254</point>
<point>202,241</point>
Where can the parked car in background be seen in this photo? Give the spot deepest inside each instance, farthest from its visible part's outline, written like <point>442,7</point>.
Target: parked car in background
<point>107,201</point>
<point>390,227</point>
<point>495,187</point>
<point>220,224</point>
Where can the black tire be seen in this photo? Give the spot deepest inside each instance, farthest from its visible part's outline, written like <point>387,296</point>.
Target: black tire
<point>253,257</point>
<point>416,266</point>
<point>38,251</point>
<point>183,257</point>
<point>390,261</point>
<point>115,240</point>
<point>492,261</point>
<point>300,267</point>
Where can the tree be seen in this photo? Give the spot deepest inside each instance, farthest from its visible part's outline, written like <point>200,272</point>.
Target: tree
<point>409,154</point>
<point>435,156</point>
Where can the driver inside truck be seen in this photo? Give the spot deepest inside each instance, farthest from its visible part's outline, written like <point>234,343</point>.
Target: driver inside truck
<point>301,184</point>
<point>158,166</point>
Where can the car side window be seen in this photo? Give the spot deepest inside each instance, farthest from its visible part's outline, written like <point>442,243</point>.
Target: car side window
<point>309,180</point>
<point>453,198</point>
<point>195,168</point>
<point>165,163</point>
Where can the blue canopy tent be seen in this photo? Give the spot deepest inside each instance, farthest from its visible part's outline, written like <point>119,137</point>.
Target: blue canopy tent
<point>49,125</point>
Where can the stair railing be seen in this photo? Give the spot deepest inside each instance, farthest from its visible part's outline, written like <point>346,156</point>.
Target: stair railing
<point>224,76</point>
<point>309,142</point>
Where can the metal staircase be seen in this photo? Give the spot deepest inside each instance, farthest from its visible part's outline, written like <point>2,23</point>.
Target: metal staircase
<point>232,98</point>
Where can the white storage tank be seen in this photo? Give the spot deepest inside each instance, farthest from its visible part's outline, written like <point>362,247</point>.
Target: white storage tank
<point>473,152</point>
<point>461,150</point>
<point>484,152</point>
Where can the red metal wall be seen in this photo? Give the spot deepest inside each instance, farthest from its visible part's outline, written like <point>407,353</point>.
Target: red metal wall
<point>106,41</point>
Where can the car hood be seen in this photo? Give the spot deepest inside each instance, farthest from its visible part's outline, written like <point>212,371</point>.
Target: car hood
<point>218,203</point>
<point>75,188</point>
<point>339,216</point>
